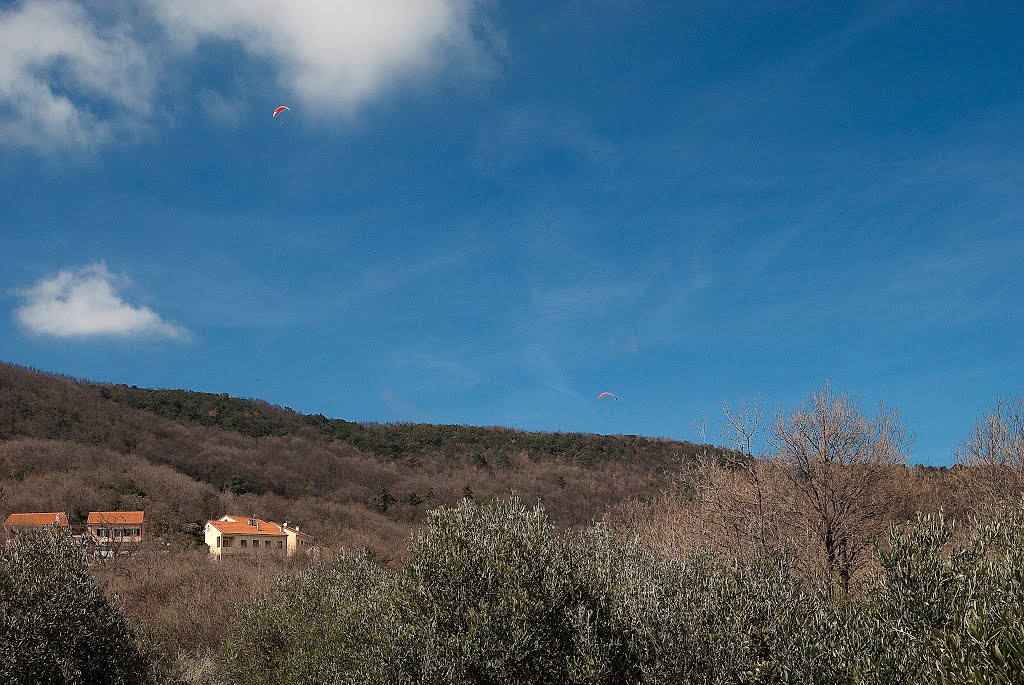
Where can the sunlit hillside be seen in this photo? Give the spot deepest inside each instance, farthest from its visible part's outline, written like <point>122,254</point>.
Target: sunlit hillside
<point>184,457</point>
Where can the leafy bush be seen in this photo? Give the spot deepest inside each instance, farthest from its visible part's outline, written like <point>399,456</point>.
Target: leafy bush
<point>55,624</point>
<point>334,623</point>
<point>493,594</point>
<point>487,599</point>
<point>951,614</point>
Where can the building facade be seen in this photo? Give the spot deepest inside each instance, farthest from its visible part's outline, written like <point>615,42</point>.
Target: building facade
<point>298,542</point>
<point>110,533</point>
<point>233,535</point>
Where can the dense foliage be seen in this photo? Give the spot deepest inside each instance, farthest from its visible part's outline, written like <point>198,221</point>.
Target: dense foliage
<point>56,626</point>
<point>492,594</point>
<point>257,419</point>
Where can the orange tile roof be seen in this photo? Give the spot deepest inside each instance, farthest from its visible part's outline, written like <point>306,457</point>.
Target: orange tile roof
<point>298,533</point>
<point>38,519</point>
<point>240,525</point>
<point>116,517</point>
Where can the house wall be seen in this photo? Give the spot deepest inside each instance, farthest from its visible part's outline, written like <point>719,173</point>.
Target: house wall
<point>211,535</point>
<point>231,543</point>
<point>297,543</point>
<point>111,532</point>
<point>108,538</point>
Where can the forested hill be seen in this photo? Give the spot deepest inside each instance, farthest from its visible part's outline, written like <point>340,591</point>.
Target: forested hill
<point>258,419</point>
<point>75,446</point>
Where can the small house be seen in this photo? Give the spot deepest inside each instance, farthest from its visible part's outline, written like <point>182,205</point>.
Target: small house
<point>115,532</point>
<point>245,535</point>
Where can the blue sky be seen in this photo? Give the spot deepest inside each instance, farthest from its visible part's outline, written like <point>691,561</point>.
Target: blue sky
<point>489,212</point>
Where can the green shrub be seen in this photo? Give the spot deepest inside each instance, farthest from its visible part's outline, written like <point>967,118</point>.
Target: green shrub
<point>333,623</point>
<point>55,624</point>
<point>485,594</point>
<point>493,594</point>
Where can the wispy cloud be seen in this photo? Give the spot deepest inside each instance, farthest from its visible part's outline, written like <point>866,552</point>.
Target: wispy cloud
<point>222,110</point>
<point>399,408</point>
<point>66,80</point>
<point>81,303</point>
<point>520,134</point>
<point>569,302</point>
<point>455,372</point>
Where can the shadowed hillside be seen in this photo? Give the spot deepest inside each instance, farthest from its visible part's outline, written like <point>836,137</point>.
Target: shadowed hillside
<point>68,444</point>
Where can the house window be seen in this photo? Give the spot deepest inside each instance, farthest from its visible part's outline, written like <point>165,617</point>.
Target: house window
<point>119,532</point>
<point>102,532</point>
<point>266,543</point>
<point>245,543</point>
<point>227,542</point>
<point>280,544</point>
<point>218,542</point>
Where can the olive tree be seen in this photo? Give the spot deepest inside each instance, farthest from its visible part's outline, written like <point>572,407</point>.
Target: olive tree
<point>56,626</point>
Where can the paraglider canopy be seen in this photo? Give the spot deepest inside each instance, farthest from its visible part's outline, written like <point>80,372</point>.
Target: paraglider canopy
<point>280,109</point>
<point>607,394</point>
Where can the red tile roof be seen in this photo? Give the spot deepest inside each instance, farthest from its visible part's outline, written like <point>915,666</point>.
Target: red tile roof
<point>116,517</point>
<point>39,519</point>
<point>239,525</point>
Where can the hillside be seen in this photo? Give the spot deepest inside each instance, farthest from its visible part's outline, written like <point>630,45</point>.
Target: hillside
<point>184,457</point>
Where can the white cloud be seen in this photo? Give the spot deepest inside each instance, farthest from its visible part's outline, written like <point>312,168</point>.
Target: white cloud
<point>78,303</point>
<point>78,75</point>
<point>333,54</point>
<point>66,80</point>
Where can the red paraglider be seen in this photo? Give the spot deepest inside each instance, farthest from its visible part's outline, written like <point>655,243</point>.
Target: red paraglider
<point>280,109</point>
<point>607,394</point>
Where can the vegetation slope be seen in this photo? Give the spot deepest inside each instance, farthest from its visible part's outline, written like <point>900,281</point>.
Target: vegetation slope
<point>185,457</point>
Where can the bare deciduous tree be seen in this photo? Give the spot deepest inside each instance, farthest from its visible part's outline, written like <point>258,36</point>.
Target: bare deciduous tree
<point>742,426</point>
<point>836,461</point>
<point>994,451</point>
<point>743,423</point>
<point>729,487</point>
